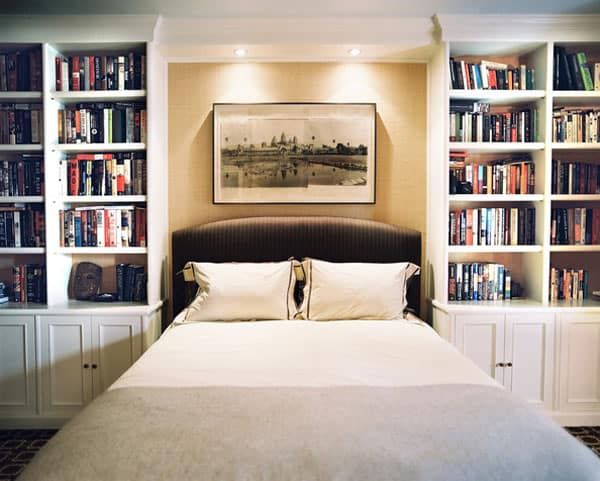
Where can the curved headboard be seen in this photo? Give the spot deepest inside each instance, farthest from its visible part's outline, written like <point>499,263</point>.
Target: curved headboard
<point>263,239</point>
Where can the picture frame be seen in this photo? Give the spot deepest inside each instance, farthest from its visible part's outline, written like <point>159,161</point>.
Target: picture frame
<point>294,153</point>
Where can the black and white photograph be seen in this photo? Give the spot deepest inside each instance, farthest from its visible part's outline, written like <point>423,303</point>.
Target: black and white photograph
<point>294,153</point>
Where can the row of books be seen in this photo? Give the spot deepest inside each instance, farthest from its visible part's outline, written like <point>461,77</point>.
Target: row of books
<point>504,176</point>
<point>23,176</point>
<point>568,284</point>
<point>29,283</point>
<point>573,72</point>
<point>103,174</point>
<point>490,75</point>
<point>575,226</point>
<point>575,177</point>
<point>513,126</point>
<point>103,226</point>
<point>492,226</point>
<point>20,123</point>
<point>131,283</point>
<point>22,226</point>
<point>478,282</point>
<point>102,123</point>
<point>575,125</point>
<point>21,71</point>
<point>100,72</point>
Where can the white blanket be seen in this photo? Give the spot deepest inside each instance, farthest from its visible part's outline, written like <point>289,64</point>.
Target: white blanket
<point>302,354</point>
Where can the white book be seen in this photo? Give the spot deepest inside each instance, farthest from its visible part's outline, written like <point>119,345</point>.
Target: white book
<point>484,75</point>
<point>494,65</point>
<point>35,126</point>
<point>475,226</point>
<point>118,238</point>
<point>597,76</point>
<point>121,73</point>
<point>62,177</point>
<point>65,75</point>
<point>106,125</point>
<point>17,227</point>
<point>88,133</point>
<point>127,175</point>
<point>100,227</point>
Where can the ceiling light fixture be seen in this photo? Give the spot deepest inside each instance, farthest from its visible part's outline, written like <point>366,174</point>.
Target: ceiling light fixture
<point>240,52</point>
<point>355,52</point>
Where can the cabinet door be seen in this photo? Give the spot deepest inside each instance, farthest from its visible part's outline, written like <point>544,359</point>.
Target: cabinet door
<point>579,383</point>
<point>17,366</point>
<point>529,355</point>
<point>480,337</point>
<point>66,364</point>
<point>117,345</point>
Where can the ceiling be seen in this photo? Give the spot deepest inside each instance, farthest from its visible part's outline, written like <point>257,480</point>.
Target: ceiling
<point>295,8</point>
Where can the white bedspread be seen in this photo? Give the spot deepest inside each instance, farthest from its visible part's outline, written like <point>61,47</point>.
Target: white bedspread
<point>302,354</point>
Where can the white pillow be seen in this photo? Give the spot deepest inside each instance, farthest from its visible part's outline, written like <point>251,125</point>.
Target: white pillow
<point>355,290</point>
<point>242,291</point>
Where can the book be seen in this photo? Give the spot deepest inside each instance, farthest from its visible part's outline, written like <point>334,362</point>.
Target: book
<point>586,75</point>
<point>103,226</point>
<point>28,283</point>
<point>479,281</point>
<point>488,74</point>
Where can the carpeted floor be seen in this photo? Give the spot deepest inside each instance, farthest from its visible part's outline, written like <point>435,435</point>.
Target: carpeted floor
<point>18,446</point>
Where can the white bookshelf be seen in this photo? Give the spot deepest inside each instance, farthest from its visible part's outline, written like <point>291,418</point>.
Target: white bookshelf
<point>59,261</point>
<point>530,265</point>
<point>97,147</point>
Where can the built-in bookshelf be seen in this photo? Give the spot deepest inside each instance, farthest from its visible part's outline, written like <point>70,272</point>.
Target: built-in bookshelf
<point>75,144</point>
<point>526,157</point>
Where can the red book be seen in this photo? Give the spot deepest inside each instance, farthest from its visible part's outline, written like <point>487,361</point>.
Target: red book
<point>75,80</point>
<point>492,79</point>
<point>74,177</point>
<point>469,227</point>
<point>596,226</point>
<point>58,73</point>
<point>106,229</point>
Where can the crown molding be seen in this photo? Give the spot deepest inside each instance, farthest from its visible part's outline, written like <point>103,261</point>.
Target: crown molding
<point>416,31</point>
<point>76,28</point>
<point>515,28</point>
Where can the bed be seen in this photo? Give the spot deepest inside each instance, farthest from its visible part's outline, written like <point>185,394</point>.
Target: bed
<point>303,400</point>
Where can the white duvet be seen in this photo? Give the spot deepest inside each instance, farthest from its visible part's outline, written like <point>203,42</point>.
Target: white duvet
<point>301,353</point>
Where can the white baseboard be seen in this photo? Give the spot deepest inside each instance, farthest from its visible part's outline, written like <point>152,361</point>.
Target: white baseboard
<point>34,422</point>
<point>576,419</point>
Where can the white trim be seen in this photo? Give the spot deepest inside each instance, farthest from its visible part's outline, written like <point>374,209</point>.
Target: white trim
<point>518,28</point>
<point>76,28</point>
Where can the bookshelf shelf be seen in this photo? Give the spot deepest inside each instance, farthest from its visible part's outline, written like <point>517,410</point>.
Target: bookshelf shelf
<point>102,250</point>
<point>575,197</point>
<point>114,147</point>
<point>21,199</point>
<point>496,147</point>
<point>576,95</point>
<point>22,306</point>
<point>101,199</point>
<point>573,146</point>
<point>468,198</point>
<point>22,250</point>
<point>20,96</point>
<point>495,97</point>
<point>99,96</point>
<point>575,248</point>
<point>494,249</point>
<point>21,148</point>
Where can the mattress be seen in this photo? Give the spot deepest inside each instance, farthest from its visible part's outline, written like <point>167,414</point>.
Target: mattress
<point>302,354</point>
<point>309,401</point>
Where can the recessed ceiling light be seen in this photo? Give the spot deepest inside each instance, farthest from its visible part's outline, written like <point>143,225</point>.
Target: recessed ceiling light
<point>355,52</point>
<point>240,52</point>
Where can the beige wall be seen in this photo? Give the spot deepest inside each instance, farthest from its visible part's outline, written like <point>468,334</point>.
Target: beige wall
<point>398,89</point>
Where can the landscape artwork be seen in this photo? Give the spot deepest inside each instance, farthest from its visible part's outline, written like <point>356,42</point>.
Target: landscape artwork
<point>294,153</point>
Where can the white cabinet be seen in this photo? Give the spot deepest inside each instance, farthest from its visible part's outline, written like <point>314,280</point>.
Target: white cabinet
<point>82,356</point>
<point>515,349</point>
<point>579,372</point>
<point>17,366</point>
<point>66,358</point>
<point>117,344</point>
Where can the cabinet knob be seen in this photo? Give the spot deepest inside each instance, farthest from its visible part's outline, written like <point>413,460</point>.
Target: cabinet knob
<point>86,366</point>
<point>94,366</point>
<point>509,364</point>
<point>500,364</point>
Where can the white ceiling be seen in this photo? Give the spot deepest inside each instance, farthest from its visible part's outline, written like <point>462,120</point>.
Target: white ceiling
<point>298,8</point>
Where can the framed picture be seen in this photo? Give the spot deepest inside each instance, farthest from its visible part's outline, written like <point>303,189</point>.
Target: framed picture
<point>294,153</point>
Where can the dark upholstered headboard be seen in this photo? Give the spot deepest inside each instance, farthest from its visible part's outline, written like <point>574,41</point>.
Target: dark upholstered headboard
<point>263,239</point>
